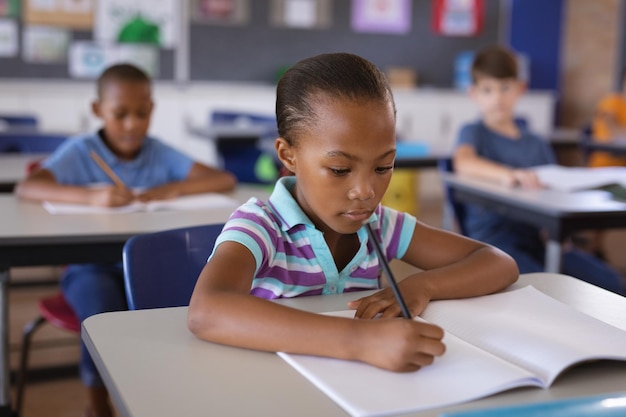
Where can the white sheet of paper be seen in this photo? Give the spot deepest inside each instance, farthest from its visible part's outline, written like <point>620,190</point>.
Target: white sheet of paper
<point>579,178</point>
<point>192,202</point>
<point>524,323</point>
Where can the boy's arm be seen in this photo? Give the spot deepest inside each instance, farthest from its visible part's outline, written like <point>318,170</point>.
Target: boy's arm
<point>41,185</point>
<point>468,163</point>
<point>201,179</point>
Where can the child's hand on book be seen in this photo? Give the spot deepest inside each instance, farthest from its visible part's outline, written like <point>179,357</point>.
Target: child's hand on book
<point>163,192</point>
<point>523,178</point>
<point>110,196</point>
<point>384,304</point>
<point>400,345</point>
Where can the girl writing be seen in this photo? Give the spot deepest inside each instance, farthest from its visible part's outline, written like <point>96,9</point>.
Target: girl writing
<point>336,124</point>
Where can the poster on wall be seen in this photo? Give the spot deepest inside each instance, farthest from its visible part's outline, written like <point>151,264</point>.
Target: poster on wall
<point>220,12</point>
<point>45,44</point>
<point>10,8</point>
<point>8,38</point>
<point>301,14</point>
<point>75,14</point>
<point>381,16</point>
<point>88,59</point>
<point>458,17</point>
<point>139,21</point>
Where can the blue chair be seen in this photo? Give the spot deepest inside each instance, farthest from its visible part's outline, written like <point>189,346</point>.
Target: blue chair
<point>454,212</point>
<point>30,141</point>
<point>161,268</point>
<point>242,118</point>
<point>19,121</point>
<point>586,139</point>
<point>246,154</point>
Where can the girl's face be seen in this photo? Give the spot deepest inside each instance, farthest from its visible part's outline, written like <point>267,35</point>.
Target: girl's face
<point>343,163</point>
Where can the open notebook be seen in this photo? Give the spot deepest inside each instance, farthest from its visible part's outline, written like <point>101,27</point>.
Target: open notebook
<point>190,202</point>
<point>494,343</point>
<point>580,178</point>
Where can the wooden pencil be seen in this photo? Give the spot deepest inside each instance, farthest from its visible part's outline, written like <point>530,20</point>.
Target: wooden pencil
<point>107,170</point>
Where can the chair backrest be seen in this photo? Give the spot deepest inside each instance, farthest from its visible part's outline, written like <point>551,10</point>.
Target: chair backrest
<point>586,138</point>
<point>452,208</point>
<point>15,120</point>
<point>161,268</point>
<point>30,142</point>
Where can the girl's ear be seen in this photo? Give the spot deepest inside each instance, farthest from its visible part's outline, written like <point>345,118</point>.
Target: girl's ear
<point>285,153</point>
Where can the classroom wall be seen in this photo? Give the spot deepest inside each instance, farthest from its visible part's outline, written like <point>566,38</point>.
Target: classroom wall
<point>256,51</point>
<point>590,51</point>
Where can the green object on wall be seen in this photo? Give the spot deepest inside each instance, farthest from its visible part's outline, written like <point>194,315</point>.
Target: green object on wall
<point>140,30</point>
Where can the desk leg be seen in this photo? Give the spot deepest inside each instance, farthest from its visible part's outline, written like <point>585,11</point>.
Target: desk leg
<point>5,389</point>
<point>553,256</point>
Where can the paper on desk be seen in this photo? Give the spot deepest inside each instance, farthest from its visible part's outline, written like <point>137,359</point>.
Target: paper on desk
<point>191,202</point>
<point>579,178</point>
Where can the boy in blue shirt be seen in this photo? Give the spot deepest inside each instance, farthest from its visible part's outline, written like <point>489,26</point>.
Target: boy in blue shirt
<point>125,105</point>
<point>502,149</point>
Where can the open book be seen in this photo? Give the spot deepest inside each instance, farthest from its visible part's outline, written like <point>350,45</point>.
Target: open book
<point>580,178</point>
<point>190,202</point>
<point>494,343</point>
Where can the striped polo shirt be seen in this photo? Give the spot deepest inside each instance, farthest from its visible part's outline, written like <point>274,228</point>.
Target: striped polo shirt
<point>292,257</point>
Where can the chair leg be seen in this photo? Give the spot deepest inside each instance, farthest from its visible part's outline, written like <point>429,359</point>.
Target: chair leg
<point>27,335</point>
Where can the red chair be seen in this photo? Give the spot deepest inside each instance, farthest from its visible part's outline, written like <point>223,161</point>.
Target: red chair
<point>54,310</point>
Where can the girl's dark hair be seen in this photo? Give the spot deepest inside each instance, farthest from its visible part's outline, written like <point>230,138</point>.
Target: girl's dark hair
<point>327,76</point>
<point>121,72</point>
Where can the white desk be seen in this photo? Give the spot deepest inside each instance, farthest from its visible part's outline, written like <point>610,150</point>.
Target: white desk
<point>559,213</point>
<point>30,236</point>
<point>13,168</point>
<point>153,366</point>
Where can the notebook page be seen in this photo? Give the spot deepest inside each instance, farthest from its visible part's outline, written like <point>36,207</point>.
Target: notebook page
<point>54,207</point>
<point>463,373</point>
<point>530,329</point>
<point>191,202</point>
<point>579,178</point>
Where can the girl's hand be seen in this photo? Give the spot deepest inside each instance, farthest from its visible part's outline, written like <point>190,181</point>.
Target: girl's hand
<point>384,302</point>
<point>400,345</point>
<point>110,196</point>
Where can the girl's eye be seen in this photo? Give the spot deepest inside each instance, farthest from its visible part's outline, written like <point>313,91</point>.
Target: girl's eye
<point>339,171</point>
<point>383,170</point>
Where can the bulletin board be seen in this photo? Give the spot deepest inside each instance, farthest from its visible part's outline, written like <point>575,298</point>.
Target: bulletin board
<point>258,50</point>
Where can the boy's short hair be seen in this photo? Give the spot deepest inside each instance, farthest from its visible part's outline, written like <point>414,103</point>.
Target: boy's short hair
<point>121,72</point>
<point>495,62</point>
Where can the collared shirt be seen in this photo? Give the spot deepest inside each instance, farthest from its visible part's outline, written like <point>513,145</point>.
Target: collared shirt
<point>156,164</point>
<point>292,257</point>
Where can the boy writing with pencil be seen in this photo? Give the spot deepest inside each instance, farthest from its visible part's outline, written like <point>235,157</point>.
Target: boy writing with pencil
<point>500,149</point>
<point>120,158</point>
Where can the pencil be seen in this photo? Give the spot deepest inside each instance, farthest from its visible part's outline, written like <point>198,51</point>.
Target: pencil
<point>392,281</point>
<point>107,170</point>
